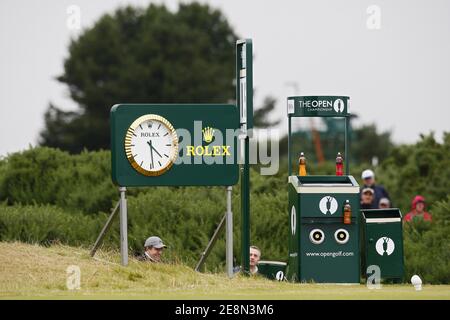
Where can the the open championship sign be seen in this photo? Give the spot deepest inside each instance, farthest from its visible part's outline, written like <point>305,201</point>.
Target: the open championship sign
<point>174,144</point>
<point>318,106</point>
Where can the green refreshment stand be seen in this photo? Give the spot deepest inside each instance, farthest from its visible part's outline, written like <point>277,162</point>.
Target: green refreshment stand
<point>322,249</point>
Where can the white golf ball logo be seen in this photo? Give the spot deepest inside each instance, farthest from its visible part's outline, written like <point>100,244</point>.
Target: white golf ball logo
<point>338,105</point>
<point>328,205</point>
<point>279,276</point>
<point>385,246</point>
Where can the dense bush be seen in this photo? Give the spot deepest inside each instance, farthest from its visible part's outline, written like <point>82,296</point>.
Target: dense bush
<point>69,195</point>
<point>422,168</point>
<point>427,246</point>
<point>45,223</point>
<point>49,176</point>
<point>184,217</point>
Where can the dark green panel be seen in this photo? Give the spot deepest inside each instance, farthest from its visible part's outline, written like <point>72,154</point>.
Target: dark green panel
<point>391,234</point>
<point>310,205</point>
<point>269,269</point>
<point>293,236</point>
<point>218,116</point>
<point>329,262</point>
<point>318,106</point>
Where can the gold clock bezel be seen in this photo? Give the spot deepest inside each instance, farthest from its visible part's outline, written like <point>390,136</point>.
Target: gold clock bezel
<point>130,133</point>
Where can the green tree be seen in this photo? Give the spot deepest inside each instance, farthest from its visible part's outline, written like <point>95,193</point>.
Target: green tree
<point>139,55</point>
<point>422,168</point>
<point>368,143</point>
<point>261,116</point>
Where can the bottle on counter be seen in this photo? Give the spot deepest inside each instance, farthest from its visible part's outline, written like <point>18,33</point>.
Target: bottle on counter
<point>347,212</point>
<point>302,165</point>
<point>339,165</point>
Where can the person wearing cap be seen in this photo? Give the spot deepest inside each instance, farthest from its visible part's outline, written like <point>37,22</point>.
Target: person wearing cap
<point>384,203</point>
<point>368,177</point>
<point>367,195</point>
<point>153,247</point>
<point>418,210</point>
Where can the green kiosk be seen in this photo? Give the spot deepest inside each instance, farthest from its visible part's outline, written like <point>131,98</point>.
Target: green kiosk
<point>323,246</point>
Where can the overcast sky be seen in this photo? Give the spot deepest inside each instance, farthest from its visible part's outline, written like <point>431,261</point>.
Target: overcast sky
<point>395,66</point>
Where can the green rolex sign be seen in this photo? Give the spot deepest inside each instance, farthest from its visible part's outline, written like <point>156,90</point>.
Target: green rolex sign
<point>174,144</point>
<point>318,106</point>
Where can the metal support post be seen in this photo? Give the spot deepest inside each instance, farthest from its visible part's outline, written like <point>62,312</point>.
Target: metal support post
<point>123,227</point>
<point>245,208</point>
<point>289,147</point>
<point>346,159</point>
<point>229,234</point>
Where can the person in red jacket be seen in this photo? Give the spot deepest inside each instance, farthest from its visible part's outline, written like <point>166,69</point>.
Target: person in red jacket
<point>418,210</point>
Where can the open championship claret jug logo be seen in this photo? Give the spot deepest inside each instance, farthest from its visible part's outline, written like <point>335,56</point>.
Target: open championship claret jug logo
<point>338,105</point>
<point>385,246</point>
<point>328,205</point>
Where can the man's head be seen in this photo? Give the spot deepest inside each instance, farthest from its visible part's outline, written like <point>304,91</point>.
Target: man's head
<point>255,255</point>
<point>154,247</point>
<point>368,177</point>
<point>384,203</point>
<point>367,195</point>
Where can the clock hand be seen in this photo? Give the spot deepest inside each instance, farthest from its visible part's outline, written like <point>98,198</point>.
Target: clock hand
<point>156,151</point>
<point>151,151</point>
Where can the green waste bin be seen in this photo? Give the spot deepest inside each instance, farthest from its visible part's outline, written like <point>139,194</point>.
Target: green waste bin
<point>382,242</point>
<point>322,248</point>
<point>274,270</point>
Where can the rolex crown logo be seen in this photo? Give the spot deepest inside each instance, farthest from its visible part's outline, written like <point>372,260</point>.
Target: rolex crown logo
<point>208,134</point>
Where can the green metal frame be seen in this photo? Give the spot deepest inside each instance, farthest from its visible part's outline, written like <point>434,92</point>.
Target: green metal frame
<point>244,71</point>
<point>298,112</point>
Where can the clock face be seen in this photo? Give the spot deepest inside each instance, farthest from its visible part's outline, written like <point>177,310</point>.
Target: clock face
<point>151,145</point>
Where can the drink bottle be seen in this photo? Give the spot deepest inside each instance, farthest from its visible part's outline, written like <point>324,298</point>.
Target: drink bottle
<point>339,165</point>
<point>347,212</point>
<point>302,165</point>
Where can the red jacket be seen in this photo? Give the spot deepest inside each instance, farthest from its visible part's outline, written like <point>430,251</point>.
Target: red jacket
<point>413,213</point>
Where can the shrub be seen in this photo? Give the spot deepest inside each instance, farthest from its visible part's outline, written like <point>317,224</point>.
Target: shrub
<point>427,246</point>
<point>422,168</point>
<point>51,195</point>
<point>45,223</point>
<point>50,176</point>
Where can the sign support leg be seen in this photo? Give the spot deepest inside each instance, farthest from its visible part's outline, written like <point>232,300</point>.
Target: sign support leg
<point>229,234</point>
<point>289,147</point>
<point>211,243</point>
<point>104,230</point>
<point>123,227</point>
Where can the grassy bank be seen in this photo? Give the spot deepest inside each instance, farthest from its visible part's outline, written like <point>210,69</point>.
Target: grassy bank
<point>37,272</point>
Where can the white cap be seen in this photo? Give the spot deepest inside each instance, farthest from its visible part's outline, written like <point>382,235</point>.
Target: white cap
<point>367,174</point>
